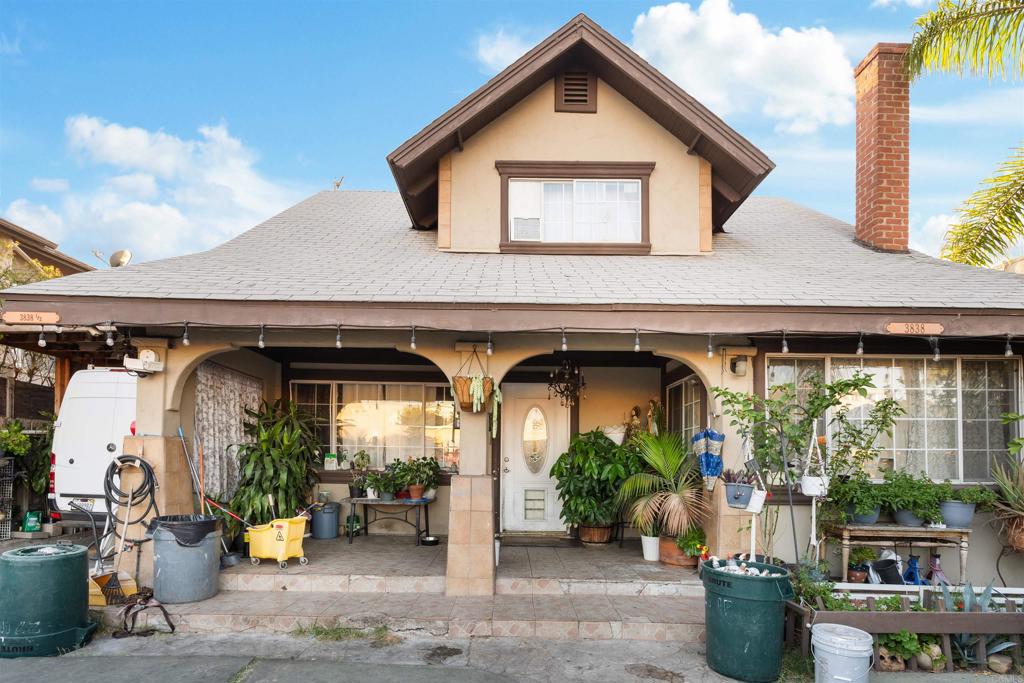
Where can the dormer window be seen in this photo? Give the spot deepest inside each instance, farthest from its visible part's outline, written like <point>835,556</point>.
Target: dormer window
<point>576,91</point>
<point>574,207</point>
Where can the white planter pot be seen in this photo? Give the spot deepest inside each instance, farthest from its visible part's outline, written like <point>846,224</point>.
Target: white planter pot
<point>814,486</point>
<point>651,546</point>
<point>757,499</point>
<point>370,493</point>
<point>430,494</point>
<point>616,434</point>
<point>497,551</point>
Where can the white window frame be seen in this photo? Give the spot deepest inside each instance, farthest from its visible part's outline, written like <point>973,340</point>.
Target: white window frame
<point>684,405</point>
<point>827,358</point>
<point>334,402</point>
<point>541,239</point>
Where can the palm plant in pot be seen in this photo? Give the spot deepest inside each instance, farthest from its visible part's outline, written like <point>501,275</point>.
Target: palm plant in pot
<point>587,476</point>
<point>669,496</point>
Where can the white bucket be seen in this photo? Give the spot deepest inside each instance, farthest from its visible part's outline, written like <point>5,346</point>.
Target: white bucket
<point>652,548</point>
<point>841,653</point>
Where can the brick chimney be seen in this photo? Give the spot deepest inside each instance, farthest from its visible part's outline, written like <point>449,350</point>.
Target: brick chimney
<point>883,149</point>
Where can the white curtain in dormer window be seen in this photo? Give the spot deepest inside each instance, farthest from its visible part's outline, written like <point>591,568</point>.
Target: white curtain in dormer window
<point>524,210</point>
<point>585,211</point>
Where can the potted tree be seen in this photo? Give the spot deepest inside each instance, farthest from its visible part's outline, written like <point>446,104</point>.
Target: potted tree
<point>959,505</point>
<point>668,496</point>
<point>587,476</point>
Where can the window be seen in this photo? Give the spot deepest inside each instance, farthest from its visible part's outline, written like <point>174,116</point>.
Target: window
<point>588,211</point>
<point>951,428</point>
<point>579,207</point>
<point>684,407</point>
<point>390,421</point>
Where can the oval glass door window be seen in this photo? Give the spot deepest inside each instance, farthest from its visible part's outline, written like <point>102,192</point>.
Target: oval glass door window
<point>535,439</point>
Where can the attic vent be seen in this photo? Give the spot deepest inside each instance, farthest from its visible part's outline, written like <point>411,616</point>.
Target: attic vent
<point>576,91</point>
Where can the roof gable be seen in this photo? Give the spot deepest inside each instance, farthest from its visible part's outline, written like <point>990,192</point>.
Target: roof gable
<point>738,166</point>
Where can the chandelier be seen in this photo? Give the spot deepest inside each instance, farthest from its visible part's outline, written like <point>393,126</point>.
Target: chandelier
<point>567,383</point>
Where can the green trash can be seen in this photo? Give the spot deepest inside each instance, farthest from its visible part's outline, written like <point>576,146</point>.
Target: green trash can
<point>744,618</point>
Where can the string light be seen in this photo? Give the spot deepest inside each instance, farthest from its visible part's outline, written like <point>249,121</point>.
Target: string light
<point>184,336</point>
<point>711,349</point>
<point>42,341</point>
<point>936,356</point>
<point>1009,347</point>
<point>636,340</point>
<point>565,342</point>
<point>490,345</point>
<point>412,341</point>
<point>262,341</point>
<point>860,345</point>
<point>110,333</point>
<point>337,338</point>
<point>785,344</point>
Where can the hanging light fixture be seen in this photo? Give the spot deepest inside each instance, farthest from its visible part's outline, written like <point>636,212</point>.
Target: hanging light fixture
<point>565,342</point>
<point>110,333</point>
<point>785,344</point>
<point>490,345</point>
<point>337,338</point>
<point>262,341</point>
<point>567,383</point>
<point>860,345</point>
<point>711,349</point>
<point>936,356</point>
<point>1009,347</point>
<point>412,340</point>
<point>185,341</point>
<point>42,341</point>
<point>636,341</point>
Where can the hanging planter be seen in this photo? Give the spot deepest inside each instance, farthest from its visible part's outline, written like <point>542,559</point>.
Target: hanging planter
<point>814,485</point>
<point>472,390</point>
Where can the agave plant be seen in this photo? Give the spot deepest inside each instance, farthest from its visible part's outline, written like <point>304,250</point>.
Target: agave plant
<point>669,496</point>
<point>965,645</point>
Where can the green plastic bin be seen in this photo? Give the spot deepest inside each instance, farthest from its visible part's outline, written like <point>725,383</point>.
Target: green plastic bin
<point>744,617</point>
<point>44,600</point>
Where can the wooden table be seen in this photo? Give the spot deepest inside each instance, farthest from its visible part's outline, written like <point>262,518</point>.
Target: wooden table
<point>404,506</point>
<point>893,535</point>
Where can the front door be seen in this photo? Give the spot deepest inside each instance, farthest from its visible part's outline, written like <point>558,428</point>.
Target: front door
<point>535,431</point>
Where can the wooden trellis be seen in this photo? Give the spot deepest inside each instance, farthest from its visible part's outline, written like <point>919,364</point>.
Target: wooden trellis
<point>1009,622</point>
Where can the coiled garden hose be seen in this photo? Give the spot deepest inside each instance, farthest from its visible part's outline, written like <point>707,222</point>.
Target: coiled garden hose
<point>142,496</point>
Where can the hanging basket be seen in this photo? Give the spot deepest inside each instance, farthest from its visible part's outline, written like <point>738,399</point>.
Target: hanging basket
<point>1015,534</point>
<point>460,387</point>
<point>814,486</point>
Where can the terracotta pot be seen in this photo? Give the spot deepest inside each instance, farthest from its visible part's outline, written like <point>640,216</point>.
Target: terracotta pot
<point>416,491</point>
<point>856,576</point>
<point>1015,534</point>
<point>671,554</point>
<point>595,534</point>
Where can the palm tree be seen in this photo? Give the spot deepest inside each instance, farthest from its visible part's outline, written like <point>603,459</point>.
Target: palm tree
<point>670,496</point>
<point>978,37</point>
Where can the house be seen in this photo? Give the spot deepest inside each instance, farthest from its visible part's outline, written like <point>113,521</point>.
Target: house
<point>27,381</point>
<point>579,210</point>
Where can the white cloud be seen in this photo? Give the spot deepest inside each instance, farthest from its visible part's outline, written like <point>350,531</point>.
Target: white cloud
<point>36,218</point>
<point>800,77</point>
<point>930,235</point>
<point>1004,106</point>
<point>49,184</point>
<point>171,195</point>
<point>897,3</point>
<point>499,48</point>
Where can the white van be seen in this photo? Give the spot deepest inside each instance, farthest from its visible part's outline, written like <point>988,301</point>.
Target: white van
<point>97,412</point>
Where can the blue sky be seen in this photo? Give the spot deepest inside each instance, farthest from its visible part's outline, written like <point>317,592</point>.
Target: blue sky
<point>169,127</point>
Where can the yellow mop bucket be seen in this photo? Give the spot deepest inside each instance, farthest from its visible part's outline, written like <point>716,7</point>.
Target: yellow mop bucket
<point>280,540</point>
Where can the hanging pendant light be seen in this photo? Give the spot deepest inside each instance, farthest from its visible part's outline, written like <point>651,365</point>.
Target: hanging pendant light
<point>565,342</point>
<point>262,341</point>
<point>785,344</point>
<point>636,341</point>
<point>337,338</point>
<point>1009,347</point>
<point>42,341</point>
<point>490,345</point>
<point>711,349</point>
<point>185,341</point>
<point>860,345</point>
<point>936,356</point>
<point>110,333</point>
<point>412,341</point>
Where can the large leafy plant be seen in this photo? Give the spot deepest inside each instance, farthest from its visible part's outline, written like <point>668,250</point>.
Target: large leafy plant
<point>589,475</point>
<point>920,495</point>
<point>279,460</point>
<point>669,497</point>
<point>856,491</point>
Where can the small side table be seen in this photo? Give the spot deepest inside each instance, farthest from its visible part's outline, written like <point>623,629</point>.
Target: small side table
<point>402,508</point>
<point>893,535</point>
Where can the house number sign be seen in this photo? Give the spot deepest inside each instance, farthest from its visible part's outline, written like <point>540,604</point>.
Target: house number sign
<point>930,329</point>
<point>30,318</point>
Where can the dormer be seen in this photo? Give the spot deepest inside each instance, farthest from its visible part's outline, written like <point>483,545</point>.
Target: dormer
<point>582,147</point>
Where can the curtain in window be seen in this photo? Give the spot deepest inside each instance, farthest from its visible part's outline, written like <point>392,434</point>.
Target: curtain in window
<point>222,396</point>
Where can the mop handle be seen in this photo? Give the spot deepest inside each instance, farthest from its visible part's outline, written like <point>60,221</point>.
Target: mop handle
<point>209,501</point>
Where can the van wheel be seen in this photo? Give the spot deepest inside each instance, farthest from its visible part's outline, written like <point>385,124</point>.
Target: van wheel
<point>255,561</point>
<point>282,565</point>
<point>303,561</point>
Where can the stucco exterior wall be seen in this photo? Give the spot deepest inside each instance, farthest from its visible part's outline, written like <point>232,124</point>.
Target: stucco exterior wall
<point>533,131</point>
<point>612,392</point>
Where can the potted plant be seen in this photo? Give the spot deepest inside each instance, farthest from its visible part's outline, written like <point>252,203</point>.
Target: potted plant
<point>860,560</point>
<point>384,483</point>
<point>914,501</point>
<point>738,488</point>
<point>959,505</point>
<point>1009,507</point>
<point>857,499</point>
<point>421,474</point>
<point>814,481</point>
<point>587,477</point>
<point>670,495</point>
<point>280,460</point>
<point>688,548</point>
<point>357,487</point>
<point>360,462</point>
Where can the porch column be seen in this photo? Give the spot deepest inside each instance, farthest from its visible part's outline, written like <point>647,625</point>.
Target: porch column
<point>471,513</point>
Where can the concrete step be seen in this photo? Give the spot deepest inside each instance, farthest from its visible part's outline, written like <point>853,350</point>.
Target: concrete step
<point>504,585</point>
<point>568,617</point>
<point>264,579</point>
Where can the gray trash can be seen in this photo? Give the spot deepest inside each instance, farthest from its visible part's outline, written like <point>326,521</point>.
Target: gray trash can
<point>186,558</point>
<point>326,520</point>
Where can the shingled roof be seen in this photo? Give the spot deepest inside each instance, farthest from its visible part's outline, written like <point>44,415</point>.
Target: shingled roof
<point>359,247</point>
